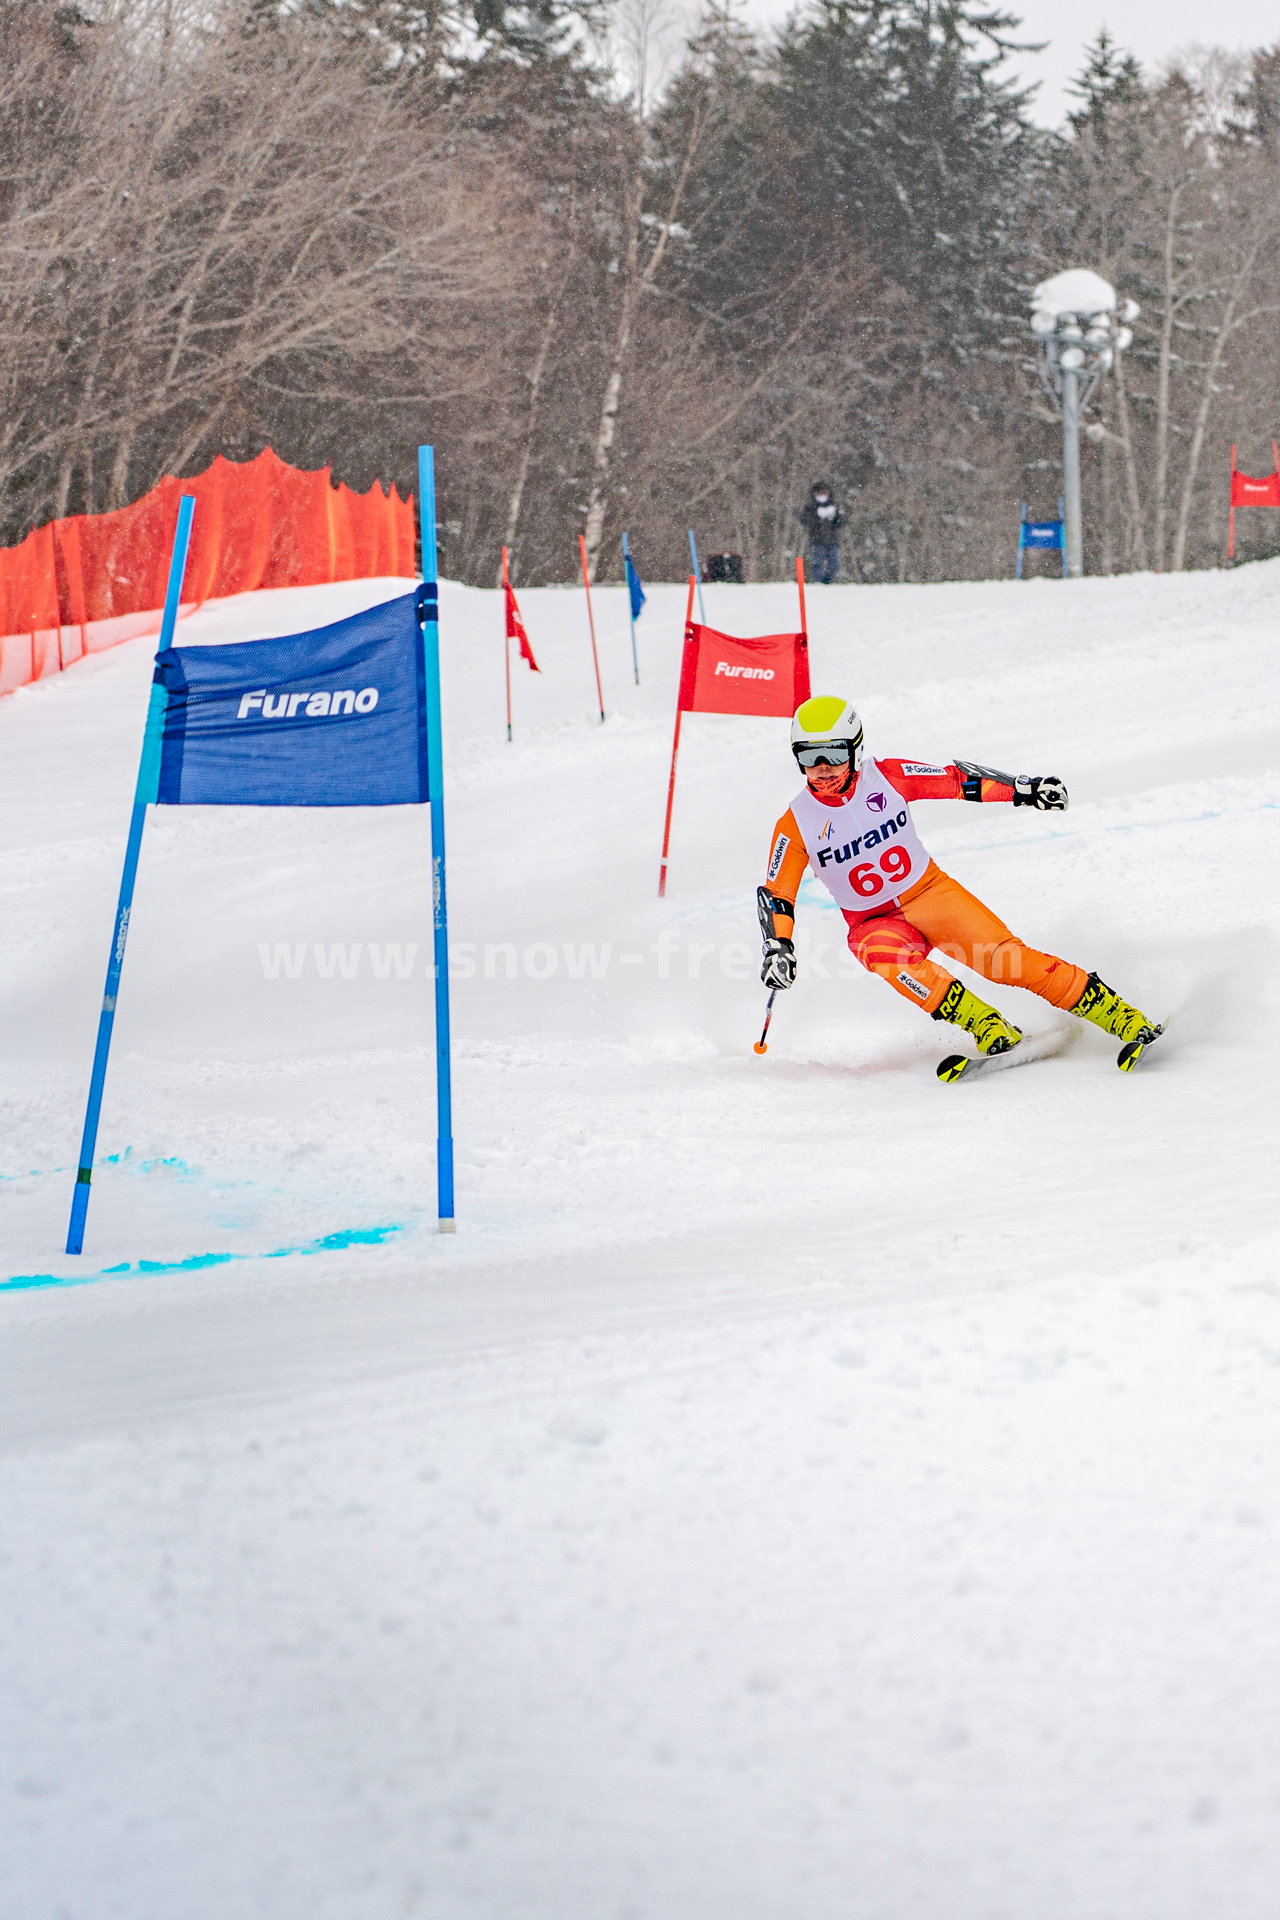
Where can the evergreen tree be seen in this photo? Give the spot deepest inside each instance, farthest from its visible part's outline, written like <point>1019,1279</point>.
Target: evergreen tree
<point>442,37</point>
<point>741,243</point>
<point>1089,185</point>
<point>1110,79</point>
<point>911,139</point>
<point>1256,122</point>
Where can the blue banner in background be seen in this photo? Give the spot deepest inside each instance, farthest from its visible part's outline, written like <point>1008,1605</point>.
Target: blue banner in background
<point>331,718</point>
<point>1042,533</point>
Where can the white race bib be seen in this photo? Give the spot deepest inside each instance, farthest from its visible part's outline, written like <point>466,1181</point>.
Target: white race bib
<point>867,852</point>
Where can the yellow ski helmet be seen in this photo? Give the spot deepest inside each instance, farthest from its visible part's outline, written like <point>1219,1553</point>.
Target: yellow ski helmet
<point>827,728</point>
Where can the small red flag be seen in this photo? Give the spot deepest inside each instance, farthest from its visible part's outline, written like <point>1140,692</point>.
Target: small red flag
<point>515,627</point>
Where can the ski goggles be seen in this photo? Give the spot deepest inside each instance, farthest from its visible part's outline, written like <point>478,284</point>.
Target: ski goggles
<point>836,753</point>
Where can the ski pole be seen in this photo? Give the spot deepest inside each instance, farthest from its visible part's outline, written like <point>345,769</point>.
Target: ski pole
<point>761,1043</point>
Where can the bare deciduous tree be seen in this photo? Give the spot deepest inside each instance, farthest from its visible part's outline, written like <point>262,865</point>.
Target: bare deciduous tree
<point>214,249</point>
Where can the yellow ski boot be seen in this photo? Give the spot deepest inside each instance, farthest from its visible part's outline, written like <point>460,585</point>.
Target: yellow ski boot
<point>992,1033</point>
<point>1115,1016</point>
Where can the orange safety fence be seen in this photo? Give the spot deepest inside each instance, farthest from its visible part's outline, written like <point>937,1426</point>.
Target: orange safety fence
<point>84,583</point>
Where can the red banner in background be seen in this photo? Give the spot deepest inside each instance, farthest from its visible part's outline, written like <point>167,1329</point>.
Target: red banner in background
<point>1251,490</point>
<point>1248,491</point>
<point>81,584</point>
<point>721,673</point>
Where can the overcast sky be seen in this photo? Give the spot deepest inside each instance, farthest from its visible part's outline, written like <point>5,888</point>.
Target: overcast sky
<point>1152,29</point>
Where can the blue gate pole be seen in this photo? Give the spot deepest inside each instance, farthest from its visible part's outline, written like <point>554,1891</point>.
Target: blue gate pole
<point>626,574</point>
<point>144,792</point>
<point>1062,519</point>
<point>435,788</point>
<point>1022,539</point>
<point>697,574</point>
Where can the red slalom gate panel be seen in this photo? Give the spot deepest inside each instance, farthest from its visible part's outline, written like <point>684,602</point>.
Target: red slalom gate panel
<point>1251,490</point>
<point>722,673</point>
<point>85,583</point>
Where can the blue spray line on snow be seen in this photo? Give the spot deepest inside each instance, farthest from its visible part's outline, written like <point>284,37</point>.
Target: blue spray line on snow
<point>194,1262</point>
<point>134,1165</point>
<point>170,1162</point>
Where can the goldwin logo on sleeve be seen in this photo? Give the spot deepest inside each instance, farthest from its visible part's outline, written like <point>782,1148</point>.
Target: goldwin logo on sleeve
<point>917,987</point>
<point>313,706</point>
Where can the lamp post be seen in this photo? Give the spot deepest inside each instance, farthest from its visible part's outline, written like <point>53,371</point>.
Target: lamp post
<point>1081,329</point>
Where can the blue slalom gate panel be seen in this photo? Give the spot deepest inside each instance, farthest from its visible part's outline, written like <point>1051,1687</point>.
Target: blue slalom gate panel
<point>335,717</point>
<point>1041,536</point>
<point>346,715</point>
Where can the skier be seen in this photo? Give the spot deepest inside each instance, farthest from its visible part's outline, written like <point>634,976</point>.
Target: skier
<point>852,826</point>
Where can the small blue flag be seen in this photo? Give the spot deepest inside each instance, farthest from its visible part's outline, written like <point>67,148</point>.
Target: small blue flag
<point>331,718</point>
<point>1047,534</point>
<point>634,588</point>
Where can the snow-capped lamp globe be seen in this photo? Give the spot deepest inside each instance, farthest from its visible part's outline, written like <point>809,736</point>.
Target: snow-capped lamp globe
<point>1080,327</point>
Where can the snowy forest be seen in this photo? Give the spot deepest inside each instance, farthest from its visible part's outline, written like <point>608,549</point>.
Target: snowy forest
<point>622,279</point>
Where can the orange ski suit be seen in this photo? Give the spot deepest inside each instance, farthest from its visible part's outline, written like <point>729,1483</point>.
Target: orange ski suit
<point>937,913</point>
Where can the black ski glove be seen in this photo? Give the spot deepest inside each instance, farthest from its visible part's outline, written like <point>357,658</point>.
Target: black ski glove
<point>779,967</point>
<point>1042,790</point>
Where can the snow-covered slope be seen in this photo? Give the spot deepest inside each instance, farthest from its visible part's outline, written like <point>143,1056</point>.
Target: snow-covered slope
<point>800,1488</point>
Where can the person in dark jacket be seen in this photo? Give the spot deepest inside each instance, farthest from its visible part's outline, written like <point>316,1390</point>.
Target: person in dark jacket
<point>822,520</point>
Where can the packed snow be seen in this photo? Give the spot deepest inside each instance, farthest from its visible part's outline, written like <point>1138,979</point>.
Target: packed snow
<point>801,1490</point>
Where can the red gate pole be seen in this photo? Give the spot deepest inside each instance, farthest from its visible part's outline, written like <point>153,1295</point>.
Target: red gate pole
<point>671,800</point>
<point>506,637</point>
<point>675,748</point>
<point>1231,511</point>
<point>591,621</point>
<point>804,624</point>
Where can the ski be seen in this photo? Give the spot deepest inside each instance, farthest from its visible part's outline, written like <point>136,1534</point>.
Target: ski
<point>1130,1054</point>
<point>966,1066</point>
